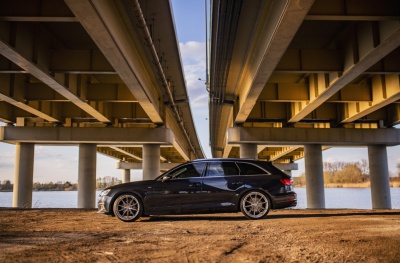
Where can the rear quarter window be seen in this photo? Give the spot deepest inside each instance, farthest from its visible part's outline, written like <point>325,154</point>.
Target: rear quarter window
<point>250,169</point>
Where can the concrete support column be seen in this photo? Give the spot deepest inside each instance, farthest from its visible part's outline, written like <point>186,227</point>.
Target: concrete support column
<point>87,175</point>
<point>126,177</point>
<point>314,176</point>
<point>248,150</point>
<point>151,161</point>
<point>23,175</point>
<point>379,175</point>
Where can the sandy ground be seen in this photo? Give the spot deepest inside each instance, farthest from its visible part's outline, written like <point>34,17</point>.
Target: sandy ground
<point>72,235</point>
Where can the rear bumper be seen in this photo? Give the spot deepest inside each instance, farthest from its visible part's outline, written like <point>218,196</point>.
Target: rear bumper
<point>285,200</point>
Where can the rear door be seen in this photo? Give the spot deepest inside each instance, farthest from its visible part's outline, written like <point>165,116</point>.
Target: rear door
<point>221,182</point>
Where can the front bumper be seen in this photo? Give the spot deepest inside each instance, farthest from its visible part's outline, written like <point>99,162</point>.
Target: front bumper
<point>103,205</point>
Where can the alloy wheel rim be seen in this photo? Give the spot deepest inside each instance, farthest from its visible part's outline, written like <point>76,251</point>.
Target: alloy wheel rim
<point>255,205</point>
<point>127,207</point>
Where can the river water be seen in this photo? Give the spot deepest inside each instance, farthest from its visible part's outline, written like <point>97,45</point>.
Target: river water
<point>358,198</point>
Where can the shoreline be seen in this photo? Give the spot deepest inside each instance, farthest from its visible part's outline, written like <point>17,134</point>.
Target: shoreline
<point>349,185</point>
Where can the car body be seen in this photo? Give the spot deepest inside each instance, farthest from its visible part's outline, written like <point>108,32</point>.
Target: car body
<point>203,186</point>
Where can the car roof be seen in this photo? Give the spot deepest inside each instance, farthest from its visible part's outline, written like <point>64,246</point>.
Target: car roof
<point>229,159</point>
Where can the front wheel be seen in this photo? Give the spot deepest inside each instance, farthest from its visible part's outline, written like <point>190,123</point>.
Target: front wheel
<point>255,205</point>
<point>128,207</point>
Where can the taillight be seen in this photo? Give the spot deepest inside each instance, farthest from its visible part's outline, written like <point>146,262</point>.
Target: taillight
<point>288,187</point>
<point>286,181</point>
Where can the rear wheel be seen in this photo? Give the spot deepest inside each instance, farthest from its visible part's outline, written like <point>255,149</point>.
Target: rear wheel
<point>128,207</point>
<point>255,205</point>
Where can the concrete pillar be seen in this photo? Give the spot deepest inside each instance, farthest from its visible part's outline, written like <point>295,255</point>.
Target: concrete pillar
<point>248,150</point>
<point>23,175</point>
<point>314,176</point>
<point>379,176</point>
<point>151,161</point>
<point>126,177</point>
<point>87,176</point>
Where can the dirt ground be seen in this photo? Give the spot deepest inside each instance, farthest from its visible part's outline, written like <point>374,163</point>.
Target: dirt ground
<point>75,235</point>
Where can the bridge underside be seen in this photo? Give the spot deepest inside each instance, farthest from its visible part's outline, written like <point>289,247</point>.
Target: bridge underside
<point>302,64</point>
<point>96,64</point>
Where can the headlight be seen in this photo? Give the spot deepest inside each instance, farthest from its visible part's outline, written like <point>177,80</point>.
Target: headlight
<point>105,192</point>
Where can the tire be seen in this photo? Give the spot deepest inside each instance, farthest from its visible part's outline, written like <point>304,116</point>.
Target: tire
<point>255,205</point>
<point>128,207</point>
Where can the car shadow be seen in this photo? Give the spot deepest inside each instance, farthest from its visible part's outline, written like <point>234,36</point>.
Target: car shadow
<point>202,217</point>
<point>306,213</point>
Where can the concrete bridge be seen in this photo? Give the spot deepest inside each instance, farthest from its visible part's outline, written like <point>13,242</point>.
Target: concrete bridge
<point>290,78</point>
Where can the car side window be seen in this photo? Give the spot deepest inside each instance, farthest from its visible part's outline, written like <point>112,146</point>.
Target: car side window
<point>189,170</point>
<point>222,169</point>
<point>250,169</point>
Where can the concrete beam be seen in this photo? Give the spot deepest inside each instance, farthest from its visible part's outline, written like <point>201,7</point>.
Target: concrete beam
<point>104,136</point>
<point>19,58</point>
<point>103,23</point>
<point>385,90</point>
<point>304,136</point>
<point>139,166</point>
<point>127,152</point>
<point>283,152</point>
<point>168,166</point>
<point>287,166</point>
<point>357,59</point>
<point>280,26</point>
<point>9,82</point>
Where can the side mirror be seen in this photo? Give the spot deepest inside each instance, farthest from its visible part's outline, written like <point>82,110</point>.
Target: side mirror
<point>166,178</point>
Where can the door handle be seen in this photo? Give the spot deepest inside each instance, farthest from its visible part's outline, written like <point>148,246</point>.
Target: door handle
<point>237,183</point>
<point>194,185</point>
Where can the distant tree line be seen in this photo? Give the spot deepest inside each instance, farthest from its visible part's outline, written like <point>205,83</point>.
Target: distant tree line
<point>101,183</point>
<point>345,173</point>
<point>107,181</point>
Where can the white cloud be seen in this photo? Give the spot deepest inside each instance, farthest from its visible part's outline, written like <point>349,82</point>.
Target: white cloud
<point>193,59</point>
<point>200,101</point>
<point>193,52</point>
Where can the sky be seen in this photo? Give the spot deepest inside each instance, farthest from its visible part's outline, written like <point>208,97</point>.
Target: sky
<point>56,163</point>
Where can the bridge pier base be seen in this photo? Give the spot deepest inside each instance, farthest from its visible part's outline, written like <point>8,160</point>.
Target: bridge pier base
<point>248,150</point>
<point>23,175</point>
<point>379,176</point>
<point>87,175</point>
<point>126,176</point>
<point>151,161</point>
<point>314,176</point>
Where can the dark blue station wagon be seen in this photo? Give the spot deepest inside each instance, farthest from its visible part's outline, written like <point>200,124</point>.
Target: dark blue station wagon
<point>203,186</point>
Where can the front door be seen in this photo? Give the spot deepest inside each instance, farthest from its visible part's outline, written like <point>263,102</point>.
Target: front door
<point>180,194</point>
